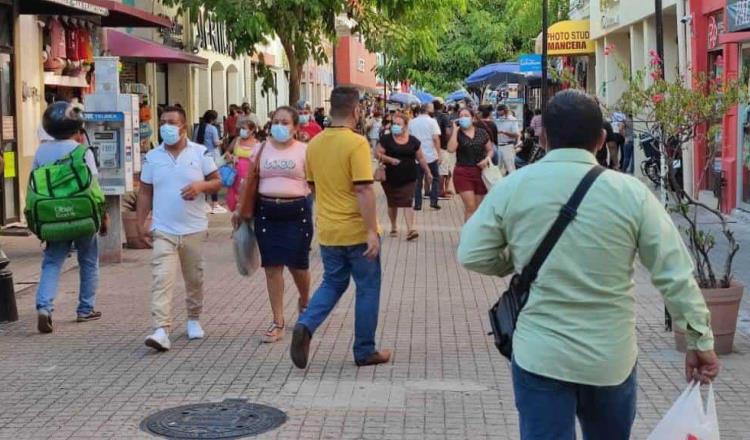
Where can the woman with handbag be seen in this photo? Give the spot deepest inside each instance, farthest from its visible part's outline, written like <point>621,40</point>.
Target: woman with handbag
<point>474,151</point>
<point>239,153</point>
<point>398,152</point>
<point>277,196</point>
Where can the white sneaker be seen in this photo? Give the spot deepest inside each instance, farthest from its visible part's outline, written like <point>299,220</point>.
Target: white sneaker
<point>219,210</point>
<point>159,340</point>
<point>194,329</point>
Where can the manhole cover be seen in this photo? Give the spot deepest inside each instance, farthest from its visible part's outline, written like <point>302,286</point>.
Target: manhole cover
<point>232,418</point>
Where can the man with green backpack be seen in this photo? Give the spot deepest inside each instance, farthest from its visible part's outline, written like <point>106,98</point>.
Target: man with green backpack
<point>65,208</point>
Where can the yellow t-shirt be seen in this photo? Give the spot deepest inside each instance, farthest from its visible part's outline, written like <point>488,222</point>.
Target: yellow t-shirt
<point>337,159</point>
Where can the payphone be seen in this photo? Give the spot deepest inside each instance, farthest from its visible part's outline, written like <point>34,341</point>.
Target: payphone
<point>106,131</point>
<point>111,120</point>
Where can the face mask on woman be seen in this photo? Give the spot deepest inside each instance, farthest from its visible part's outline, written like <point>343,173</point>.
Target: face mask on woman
<point>280,133</point>
<point>396,129</point>
<point>244,133</point>
<point>464,122</point>
<point>304,119</point>
<point>170,134</point>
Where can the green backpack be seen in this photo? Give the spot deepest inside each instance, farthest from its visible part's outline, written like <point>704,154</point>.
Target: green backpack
<point>64,200</point>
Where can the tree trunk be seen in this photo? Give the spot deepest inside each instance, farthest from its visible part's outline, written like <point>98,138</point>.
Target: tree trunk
<point>295,70</point>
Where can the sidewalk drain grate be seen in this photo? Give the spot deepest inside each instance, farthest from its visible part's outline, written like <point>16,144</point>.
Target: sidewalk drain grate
<point>230,419</point>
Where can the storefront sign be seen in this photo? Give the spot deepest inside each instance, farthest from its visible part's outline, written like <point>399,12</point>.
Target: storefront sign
<point>738,15</point>
<point>82,6</point>
<point>715,30</point>
<point>530,63</point>
<point>103,116</point>
<point>210,34</point>
<point>569,38</point>
<point>9,169</point>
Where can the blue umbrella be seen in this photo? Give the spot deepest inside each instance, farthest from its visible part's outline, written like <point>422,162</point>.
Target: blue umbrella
<point>425,97</point>
<point>458,95</point>
<point>495,74</point>
<point>404,99</point>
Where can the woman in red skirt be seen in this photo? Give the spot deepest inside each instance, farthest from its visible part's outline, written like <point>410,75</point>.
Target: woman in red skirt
<point>474,151</point>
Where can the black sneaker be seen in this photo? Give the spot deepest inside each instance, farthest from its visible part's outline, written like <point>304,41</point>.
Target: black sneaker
<point>91,316</point>
<point>435,207</point>
<point>417,209</point>
<point>44,321</point>
<point>300,348</point>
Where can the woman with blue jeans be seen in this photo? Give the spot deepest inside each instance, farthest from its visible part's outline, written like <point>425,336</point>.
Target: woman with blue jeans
<point>64,124</point>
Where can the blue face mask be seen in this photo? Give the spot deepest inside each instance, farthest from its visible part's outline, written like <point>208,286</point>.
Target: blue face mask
<point>170,134</point>
<point>280,133</point>
<point>304,119</point>
<point>464,122</point>
<point>396,129</point>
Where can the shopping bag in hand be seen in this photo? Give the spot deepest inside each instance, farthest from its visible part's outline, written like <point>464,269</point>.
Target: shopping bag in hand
<point>246,252</point>
<point>687,420</point>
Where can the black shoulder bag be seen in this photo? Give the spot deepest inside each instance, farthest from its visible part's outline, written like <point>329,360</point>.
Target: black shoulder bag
<point>504,314</point>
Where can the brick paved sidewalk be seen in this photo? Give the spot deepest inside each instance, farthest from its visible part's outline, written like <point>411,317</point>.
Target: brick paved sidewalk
<point>446,381</point>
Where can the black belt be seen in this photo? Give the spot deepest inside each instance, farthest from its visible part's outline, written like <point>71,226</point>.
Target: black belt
<point>281,200</point>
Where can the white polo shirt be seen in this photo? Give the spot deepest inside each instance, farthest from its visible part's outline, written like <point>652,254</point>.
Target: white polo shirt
<point>423,127</point>
<point>168,175</point>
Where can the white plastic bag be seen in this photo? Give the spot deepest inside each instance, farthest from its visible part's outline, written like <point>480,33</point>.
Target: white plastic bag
<point>246,252</point>
<point>687,420</point>
<point>491,174</point>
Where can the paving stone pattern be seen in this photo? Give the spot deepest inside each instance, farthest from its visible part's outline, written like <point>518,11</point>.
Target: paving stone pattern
<point>97,380</point>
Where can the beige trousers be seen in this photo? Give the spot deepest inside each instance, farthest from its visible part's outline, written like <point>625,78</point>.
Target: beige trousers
<point>168,249</point>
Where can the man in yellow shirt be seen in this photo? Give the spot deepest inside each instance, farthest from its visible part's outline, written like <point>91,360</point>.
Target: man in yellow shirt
<point>339,170</point>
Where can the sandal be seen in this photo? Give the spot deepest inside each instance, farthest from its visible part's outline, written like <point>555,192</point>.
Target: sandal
<point>394,233</point>
<point>413,235</point>
<point>274,333</point>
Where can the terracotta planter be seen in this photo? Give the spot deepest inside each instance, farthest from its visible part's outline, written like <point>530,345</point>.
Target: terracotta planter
<point>130,225</point>
<point>724,305</point>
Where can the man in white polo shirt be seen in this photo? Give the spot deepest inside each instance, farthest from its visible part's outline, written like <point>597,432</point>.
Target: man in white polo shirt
<point>427,130</point>
<point>173,177</point>
<point>508,134</point>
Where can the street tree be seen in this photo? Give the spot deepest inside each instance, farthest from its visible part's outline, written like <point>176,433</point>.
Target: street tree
<point>487,31</point>
<point>306,27</point>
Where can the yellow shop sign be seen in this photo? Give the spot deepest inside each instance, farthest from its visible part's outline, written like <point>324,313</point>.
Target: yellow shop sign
<point>569,37</point>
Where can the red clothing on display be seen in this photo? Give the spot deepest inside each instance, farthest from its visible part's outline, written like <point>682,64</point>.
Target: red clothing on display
<point>71,43</point>
<point>312,129</point>
<point>57,39</point>
<point>85,52</point>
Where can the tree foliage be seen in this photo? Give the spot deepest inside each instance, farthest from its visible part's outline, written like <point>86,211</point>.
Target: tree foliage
<point>304,27</point>
<point>485,32</point>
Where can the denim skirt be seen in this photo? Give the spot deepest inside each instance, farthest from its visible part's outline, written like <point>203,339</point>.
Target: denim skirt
<point>285,230</point>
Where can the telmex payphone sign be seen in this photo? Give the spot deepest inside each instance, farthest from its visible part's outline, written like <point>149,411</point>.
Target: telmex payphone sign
<point>106,132</point>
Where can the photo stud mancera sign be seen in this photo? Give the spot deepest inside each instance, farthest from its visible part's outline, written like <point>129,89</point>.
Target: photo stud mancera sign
<point>569,37</point>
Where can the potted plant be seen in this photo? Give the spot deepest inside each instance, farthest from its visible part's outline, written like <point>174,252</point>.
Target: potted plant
<point>679,117</point>
<point>130,221</point>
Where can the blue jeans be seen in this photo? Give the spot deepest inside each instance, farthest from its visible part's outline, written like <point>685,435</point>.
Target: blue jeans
<point>435,187</point>
<point>339,264</point>
<point>88,265</point>
<point>547,407</point>
<point>626,163</point>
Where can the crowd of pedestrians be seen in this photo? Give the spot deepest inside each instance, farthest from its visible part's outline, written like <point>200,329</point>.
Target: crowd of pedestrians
<point>574,348</point>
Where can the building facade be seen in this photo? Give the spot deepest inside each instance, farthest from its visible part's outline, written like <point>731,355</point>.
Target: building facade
<point>720,46</point>
<point>355,65</point>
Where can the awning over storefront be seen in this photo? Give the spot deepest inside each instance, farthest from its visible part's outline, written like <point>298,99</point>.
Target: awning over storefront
<point>111,13</point>
<point>567,38</point>
<point>128,46</point>
<point>61,7</point>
